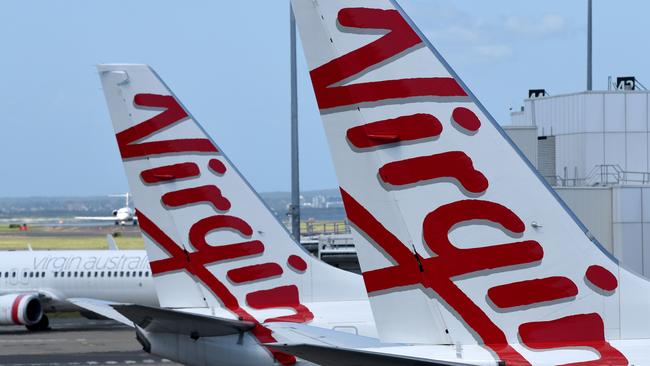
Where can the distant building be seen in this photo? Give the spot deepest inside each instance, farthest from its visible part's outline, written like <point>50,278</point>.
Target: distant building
<point>594,149</point>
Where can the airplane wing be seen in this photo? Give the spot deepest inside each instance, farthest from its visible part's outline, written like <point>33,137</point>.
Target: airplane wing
<point>327,347</point>
<point>336,356</point>
<point>102,308</point>
<point>158,320</point>
<point>96,218</point>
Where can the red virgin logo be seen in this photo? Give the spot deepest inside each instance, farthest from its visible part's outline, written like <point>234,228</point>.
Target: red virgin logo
<point>443,262</point>
<point>194,260</point>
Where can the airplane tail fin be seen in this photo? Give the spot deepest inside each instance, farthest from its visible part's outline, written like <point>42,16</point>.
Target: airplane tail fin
<point>460,240</point>
<point>211,240</point>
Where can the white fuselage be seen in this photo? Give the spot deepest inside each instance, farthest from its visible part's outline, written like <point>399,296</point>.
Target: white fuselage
<point>124,214</point>
<point>120,276</point>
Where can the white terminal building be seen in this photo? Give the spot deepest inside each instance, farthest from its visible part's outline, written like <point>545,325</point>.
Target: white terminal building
<point>594,149</point>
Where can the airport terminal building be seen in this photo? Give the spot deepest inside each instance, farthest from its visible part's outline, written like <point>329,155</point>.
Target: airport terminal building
<point>594,149</point>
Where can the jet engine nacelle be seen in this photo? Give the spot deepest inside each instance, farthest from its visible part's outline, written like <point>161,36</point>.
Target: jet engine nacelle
<point>20,309</point>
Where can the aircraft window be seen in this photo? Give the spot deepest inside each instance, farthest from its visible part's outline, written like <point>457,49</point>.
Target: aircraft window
<point>127,274</point>
<point>13,275</point>
<point>31,274</point>
<point>115,274</point>
<point>108,274</point>
<point>121,273</point>
<point>56,274</point>
<point>6,274</point>
<point>43,274</point>
<point>96,274</point>
<point>140,274</point>
<point>101,273</point>
<point>81,274</point>
<point>37,274</point>
<point>133,274</point>
<point>76,273</point>
<point>69,274</point>
<point>146,274</point>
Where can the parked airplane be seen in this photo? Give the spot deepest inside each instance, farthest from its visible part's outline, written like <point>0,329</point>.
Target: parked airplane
<point>33,283</point>
<point>224,267</point>
<point>121,216</point>
<point>466,252</point>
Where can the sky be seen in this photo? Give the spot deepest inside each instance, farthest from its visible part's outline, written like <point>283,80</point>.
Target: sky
<point>228,62</point>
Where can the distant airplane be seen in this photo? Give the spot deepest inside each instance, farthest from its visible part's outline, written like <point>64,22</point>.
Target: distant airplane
<point>468,256</point>
<point>34,283</point>
<point>121,216</point>
<point>225,268</point>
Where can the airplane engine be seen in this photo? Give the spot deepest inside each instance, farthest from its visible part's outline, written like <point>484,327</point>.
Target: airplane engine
<point>21,309</point>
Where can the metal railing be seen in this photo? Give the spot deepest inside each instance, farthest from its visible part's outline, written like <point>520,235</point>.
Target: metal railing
<point>602,175</point>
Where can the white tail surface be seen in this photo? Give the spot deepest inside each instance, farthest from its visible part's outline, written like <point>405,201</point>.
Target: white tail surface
<point>459,239</point>
<point>211,240</point>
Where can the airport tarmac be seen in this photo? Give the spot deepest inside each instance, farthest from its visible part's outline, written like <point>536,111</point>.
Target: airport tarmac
<point>74,342</point>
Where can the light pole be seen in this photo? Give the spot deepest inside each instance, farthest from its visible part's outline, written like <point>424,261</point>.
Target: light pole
<point>294,210</point>
<point>589,47</point>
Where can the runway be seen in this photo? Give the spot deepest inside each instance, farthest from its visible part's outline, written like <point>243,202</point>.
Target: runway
<point>74,342</point>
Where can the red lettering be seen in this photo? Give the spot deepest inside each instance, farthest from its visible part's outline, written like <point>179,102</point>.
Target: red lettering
<point>454,164</point>
<point>217,167</point>
<point>169,173</point>
<point>532,292</point>
<point>204,194</point>
<point>195,264</point>
<point>399,39</point>
<point>576,331</point>
<point>172,114</point>
<point>280,297</point>
<point>601,278</point>
<point>391,131</point>
<point>466,119</point>
<point>254,273</point>
<point>436,272</point>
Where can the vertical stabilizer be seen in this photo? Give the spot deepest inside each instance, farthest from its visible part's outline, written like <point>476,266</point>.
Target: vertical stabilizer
<point>459,239</point>
<point>211,240</point>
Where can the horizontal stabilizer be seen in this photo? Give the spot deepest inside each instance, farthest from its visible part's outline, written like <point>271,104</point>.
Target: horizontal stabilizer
<point>158,320</point>
<point>102,308</point>
<point>296,333</point>
<point>334,356</point>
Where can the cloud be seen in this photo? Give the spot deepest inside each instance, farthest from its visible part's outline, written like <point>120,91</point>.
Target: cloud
<point>546,26</point>
<point>477,38</point>
<point>497,51</point>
